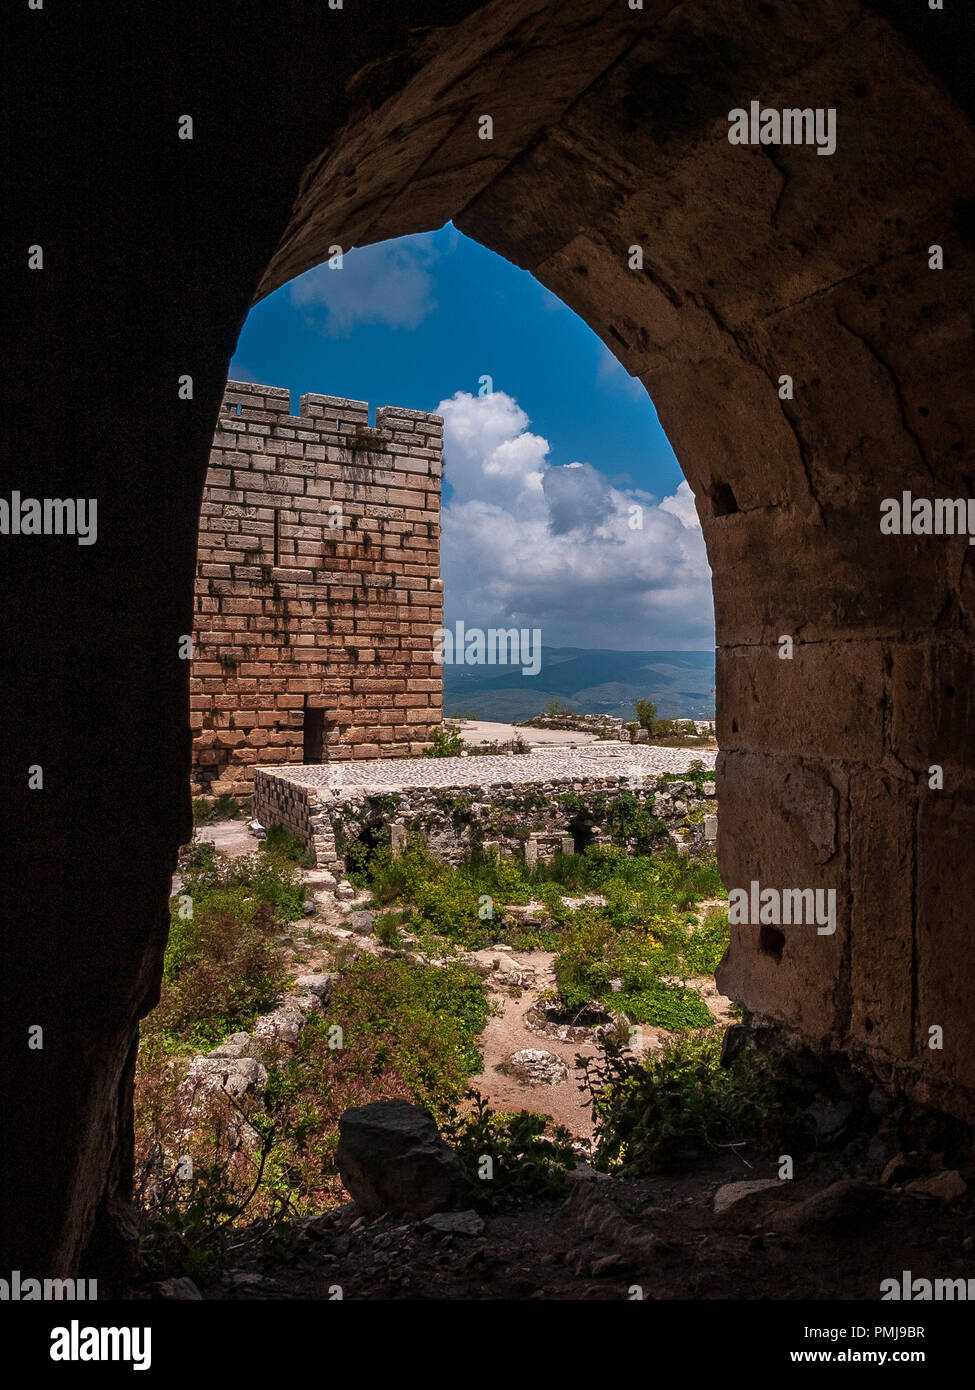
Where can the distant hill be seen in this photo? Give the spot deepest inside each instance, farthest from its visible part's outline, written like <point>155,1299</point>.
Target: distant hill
<point>680,684</point>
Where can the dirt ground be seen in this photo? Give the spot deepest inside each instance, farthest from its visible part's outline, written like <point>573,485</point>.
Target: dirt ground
<point>656,1239</point>
<point>845,1222</point>
<point>513,980</point>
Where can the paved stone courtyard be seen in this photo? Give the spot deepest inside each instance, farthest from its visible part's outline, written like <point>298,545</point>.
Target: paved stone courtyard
<point>550,764</point>
<point>543,797</point>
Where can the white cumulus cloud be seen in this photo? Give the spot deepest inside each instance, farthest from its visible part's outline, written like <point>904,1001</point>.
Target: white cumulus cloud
<point>560,547</point>
<point>389,283</point>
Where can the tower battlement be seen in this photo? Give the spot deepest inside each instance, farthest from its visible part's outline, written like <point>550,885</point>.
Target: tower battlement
<point>318,586</point>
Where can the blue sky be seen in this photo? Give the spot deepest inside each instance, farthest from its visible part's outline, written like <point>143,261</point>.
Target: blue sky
<point>542,475</point>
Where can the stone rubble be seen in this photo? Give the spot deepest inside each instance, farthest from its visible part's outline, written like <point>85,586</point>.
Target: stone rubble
<point>536,1067</point>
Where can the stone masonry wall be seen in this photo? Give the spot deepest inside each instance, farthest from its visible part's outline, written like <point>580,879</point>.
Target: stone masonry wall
<point>318,586</point>
<point>534,818</point>
<point>300,809</point>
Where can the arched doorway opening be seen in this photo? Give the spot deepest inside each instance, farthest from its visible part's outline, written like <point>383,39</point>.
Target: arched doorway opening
<point>609,131</point>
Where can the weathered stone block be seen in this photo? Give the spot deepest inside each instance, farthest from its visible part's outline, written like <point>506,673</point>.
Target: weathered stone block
<point>289,562</point>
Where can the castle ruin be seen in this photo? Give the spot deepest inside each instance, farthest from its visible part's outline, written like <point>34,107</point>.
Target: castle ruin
<point>318,586</point>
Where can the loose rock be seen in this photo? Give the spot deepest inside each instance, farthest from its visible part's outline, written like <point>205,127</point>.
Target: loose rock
<point>392,1159</point>
<point>455,1223</point>
<point>945,1186</point>
<point>733,1192</point>
<point>535,1067</point>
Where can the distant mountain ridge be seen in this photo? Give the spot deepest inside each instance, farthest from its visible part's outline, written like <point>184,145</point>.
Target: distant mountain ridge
<point>681,684</point>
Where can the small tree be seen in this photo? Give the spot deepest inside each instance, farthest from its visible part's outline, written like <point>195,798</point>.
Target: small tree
<point>646,712</point>
<point>445,742</point>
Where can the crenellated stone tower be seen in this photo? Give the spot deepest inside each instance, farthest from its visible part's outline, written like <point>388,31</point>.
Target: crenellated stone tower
<point>318,586</point>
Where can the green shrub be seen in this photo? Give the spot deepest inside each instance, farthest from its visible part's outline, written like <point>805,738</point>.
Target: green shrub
<point>667,1111</point>
<point>632,823</point>
<point>674,1007</point>
<point>222,968</point>
<point>408,1032</point>
<point>696,773</point>
<point>551,895</point>
<point>223,964</point>
<point>188,1211</point>
<point>567,869</point>
<point>386,927</point>
<point>222,807</point>
<point>421,1022</point>
<point>707,944</point>
<point>287,845</point>
<point>646,712</point>
<point>447,743</point>
<point>528,1153</point>
<point>644,939</point>
<point>671,880</point>
<point>359,855</point>
<point>501,876</point>
<point>585,965</point>
<point>643,894</point>
<point>448,907</point>
<point>442,899</point>
<point>200,861</point>
<point>387,877</point>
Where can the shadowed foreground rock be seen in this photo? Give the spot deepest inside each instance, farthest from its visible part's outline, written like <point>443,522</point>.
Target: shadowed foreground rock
<point>392,1159</point>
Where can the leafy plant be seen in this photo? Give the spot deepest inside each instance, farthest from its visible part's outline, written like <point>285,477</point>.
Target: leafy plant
<point>197,1171</point>
<point>407,1033</point>
<point>551,895</point>
<point>446,743</point>
<point>632,824</point>
<point>223,807</point>
<point>387,927</point>
<point>288,845</point>
<point>528,1154</point>
<point>223,963</point>
<point>423,1023</point>
<point>696,773</point>
<point>557,708</point>
<point>707,944</point>
<point>667,1111</point>
<point>646,713</point>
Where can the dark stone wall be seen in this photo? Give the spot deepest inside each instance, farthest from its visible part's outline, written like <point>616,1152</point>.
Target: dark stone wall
<point>317,126</point>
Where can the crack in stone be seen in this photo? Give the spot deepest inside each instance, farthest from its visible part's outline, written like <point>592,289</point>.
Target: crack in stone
<point>783,175</point>
<point>802,449</point>
<point>898,393</point>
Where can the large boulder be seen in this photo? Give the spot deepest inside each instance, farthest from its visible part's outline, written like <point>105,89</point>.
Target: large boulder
<point>392,1159</point>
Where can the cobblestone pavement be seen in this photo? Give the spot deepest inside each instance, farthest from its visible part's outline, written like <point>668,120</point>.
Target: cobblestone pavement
<point>487,731</point>
<point>599,760</point>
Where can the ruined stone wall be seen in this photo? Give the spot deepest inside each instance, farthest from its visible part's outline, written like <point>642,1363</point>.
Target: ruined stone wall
<point>532,818</point>
<point>318,585</point>
<point>302,810</point>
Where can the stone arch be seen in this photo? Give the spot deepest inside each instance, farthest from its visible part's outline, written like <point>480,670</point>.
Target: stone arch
<point>757,264</point>
<point>609,132</point>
